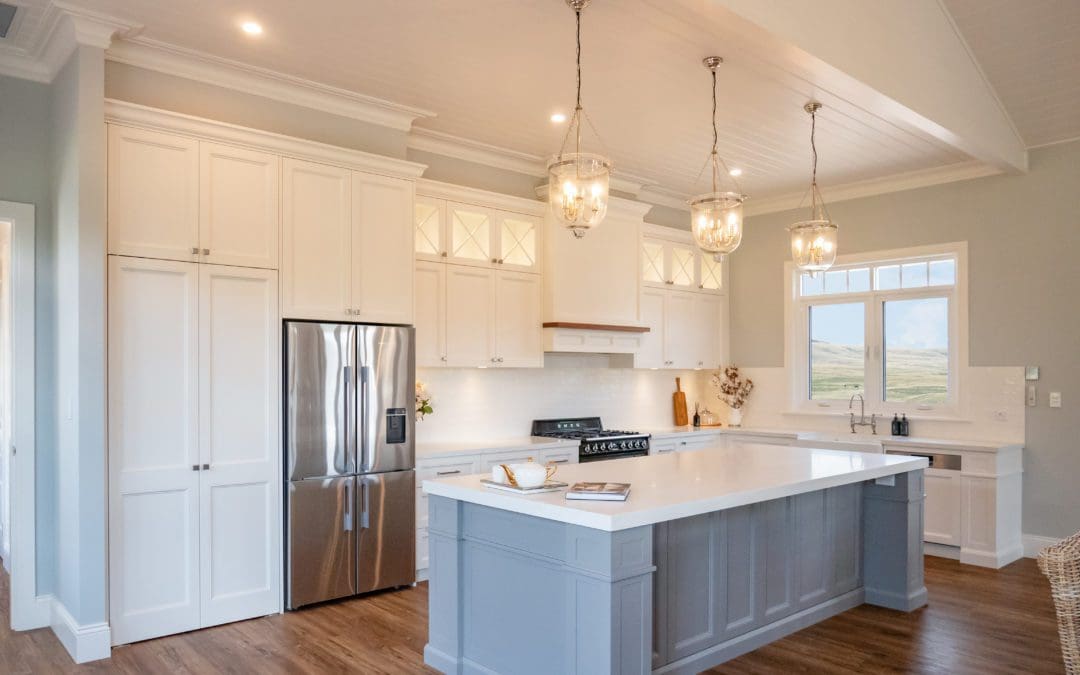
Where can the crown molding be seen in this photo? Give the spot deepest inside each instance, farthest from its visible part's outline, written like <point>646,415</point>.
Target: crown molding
<point>61,29</point>
<point>228,74</point>
<point>878,186</point>
<point>131,114</point>
<point>661,196</point>
<point>469,195</point>
<point>447,145</point>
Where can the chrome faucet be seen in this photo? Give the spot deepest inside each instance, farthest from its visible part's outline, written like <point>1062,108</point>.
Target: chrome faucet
<point>862,415</point>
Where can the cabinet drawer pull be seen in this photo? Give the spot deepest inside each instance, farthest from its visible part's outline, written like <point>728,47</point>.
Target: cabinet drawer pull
<point>448,473</point>
<point>559,461</point>
<point>205,467</point>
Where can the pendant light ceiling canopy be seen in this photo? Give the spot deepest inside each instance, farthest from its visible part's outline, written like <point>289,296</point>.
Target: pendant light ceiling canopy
<point>814,241</point>
<point>578,182</point>
<point>716,217</point>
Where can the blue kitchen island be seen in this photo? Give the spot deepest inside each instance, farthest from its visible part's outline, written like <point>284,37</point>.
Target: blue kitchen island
<point>716,552</point>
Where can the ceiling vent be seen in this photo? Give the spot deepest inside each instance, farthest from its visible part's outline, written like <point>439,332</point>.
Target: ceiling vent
<point>7,16</point>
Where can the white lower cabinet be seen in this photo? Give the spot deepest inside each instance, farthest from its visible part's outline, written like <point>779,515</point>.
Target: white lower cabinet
<point>942,508</point>
<point>193,446</point>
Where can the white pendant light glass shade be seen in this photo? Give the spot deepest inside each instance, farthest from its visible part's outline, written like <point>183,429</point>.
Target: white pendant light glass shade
<point>717,221</point>
<point>578,182</point>
<point>578,188</point>
<point>716,217</point>
<point>814,242</point>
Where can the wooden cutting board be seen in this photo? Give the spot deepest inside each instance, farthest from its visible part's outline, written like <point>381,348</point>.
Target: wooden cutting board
<point>679,403</point>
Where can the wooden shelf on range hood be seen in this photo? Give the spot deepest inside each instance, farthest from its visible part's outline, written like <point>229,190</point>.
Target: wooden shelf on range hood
<point>596,326</point>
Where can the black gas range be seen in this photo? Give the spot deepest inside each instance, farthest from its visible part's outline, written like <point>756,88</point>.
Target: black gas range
<point>597,443</point>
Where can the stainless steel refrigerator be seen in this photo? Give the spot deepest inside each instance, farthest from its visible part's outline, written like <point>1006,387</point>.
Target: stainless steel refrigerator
<point>350,484</point>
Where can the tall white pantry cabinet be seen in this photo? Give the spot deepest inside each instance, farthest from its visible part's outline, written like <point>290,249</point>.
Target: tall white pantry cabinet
<point>200,217</point>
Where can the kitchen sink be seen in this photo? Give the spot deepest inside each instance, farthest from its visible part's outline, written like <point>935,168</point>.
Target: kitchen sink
<point>849,442</point>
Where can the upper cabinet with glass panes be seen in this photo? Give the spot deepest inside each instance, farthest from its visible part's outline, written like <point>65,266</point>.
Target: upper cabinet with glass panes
<point>469,234</point>
<point>671,260</point>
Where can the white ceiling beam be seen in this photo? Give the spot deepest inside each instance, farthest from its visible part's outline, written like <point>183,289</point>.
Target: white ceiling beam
<point>904,62</point>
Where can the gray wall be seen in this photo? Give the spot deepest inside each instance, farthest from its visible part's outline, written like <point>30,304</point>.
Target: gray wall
<point>157,90</point>
<point>25,177</point>
<point>1023,235</point>
<point>77,153</point>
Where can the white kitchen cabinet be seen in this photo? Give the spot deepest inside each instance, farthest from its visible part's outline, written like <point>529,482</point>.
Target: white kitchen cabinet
<point>470,234</point>
<point>651,352</point>
<point>316,241</point>
<point>662,447</point>
<point>153,446</point>
<point>710,273</point>
<point>239,399</point>
<point>943,507</point>
<point>429,312</point>
<point>518,336</point>
<point>668,263</point>
<point>707,329</point>
<point>193,445</point>
<point>382,249</point>
<point>153,194</point>
<point>429,224</point>
<point>680,341</point>
<point>470,316</point>
<point>517,241</point>
<point>685,330</point>
<point>238,206</point>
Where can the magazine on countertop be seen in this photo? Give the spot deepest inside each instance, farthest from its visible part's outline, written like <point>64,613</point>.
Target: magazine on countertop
<point>611,492</point>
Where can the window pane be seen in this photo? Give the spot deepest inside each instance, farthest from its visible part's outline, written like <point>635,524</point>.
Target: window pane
<point>836,282</point>
<point>837,345</point>
<point>916,363</point>
<point>888,277</point>
<point>943,273</point>
<point>812,284</point>
<point>859,280</point>
<point>914,275</point>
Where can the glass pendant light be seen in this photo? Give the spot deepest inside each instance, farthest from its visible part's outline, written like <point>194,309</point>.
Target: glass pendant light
<point>814,241</point>
<point>716,218</point>
<point>578,182</point>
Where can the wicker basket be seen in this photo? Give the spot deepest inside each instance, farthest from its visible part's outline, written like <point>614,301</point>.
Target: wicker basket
<point>1061,565</point>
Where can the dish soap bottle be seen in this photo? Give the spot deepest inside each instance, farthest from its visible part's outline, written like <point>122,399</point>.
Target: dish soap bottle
<point>697,414</point>
<point>904,425</point>
<point>895,425</point>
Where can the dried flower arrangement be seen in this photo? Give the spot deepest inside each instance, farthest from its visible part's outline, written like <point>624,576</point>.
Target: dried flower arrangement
<point>734,390</point>
<point>423,401</point>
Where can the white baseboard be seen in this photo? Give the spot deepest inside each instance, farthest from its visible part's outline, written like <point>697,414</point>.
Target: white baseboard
<point>941,550</point>
<point>84,642</point>
<point>1034,543</point>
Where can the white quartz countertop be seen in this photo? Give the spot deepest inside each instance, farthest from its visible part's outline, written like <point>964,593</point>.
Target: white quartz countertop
<point>668,432</point>
<point>538,443</point>
<point>678,485</point>
<point>945,444</point>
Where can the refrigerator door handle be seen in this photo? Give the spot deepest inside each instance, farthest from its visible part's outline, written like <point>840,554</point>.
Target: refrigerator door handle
<point>364,430</point>
<point>365,505</point>
<point>347,525</point>
<point>350,416</point>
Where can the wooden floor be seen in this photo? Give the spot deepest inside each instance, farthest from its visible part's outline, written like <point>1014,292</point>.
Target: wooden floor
<point>978,621</point>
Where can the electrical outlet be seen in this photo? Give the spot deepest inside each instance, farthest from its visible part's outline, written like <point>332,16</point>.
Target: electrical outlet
<point>1055,399</point>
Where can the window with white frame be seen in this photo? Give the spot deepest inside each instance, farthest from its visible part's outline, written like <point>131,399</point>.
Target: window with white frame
<point>886,326</point>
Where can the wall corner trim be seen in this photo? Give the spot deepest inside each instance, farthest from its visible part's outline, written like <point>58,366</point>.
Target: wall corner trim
<point>90,642</point>
<point>193,65</point>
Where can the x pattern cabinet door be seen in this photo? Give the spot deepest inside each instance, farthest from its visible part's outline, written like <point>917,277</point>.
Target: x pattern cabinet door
<point>469,234</point>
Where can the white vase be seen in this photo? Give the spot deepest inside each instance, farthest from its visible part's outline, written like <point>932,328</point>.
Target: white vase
<point>735,417</point>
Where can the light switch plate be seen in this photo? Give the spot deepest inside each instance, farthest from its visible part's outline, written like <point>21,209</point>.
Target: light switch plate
<point>1032,396</point>
<point>1055,399</point>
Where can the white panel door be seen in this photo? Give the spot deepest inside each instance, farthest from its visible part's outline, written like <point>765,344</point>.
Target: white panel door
<point>943,507</point>
<point>470,316</point>
<point>316,241</point>
<point>153,197</point>
<point>429,228</point>
<point>651,352</point>
<point>239,372</point>
<point>680,343</point>
<point>382,249</point>
<point>430,314</point>
<point>153,447</point>
<point>238,206</point>
<point>519,337</point>
<point>709,333</point>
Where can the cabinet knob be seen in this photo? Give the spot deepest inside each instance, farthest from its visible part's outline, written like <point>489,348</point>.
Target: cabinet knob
<point>206,251</point>
<point>494,260</point>
<point>670,282</point>
<point>443,254</point>
<point>195,250</point>
<point>500,359</point>
<point>443,359</point>
<point>701,286</point>
<point>500,261</point>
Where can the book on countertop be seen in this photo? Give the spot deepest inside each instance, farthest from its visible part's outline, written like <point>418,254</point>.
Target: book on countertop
<point>549,486</point>
<point>608,492</point>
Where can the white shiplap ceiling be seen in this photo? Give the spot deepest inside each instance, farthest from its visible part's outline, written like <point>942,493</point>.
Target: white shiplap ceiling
<point>494,71</point>
<point>1030,52</point>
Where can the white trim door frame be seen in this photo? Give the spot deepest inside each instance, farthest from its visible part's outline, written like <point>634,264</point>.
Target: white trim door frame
<point>27,609</point>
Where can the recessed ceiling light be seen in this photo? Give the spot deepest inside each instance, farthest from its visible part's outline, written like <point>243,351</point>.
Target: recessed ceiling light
<point>735,172</point>
<point>251,28</point>
<point>558,118</point>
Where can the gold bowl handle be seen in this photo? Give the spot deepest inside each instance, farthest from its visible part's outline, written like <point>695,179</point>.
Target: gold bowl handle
<point>552,467</point>
<point>510,478</point>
